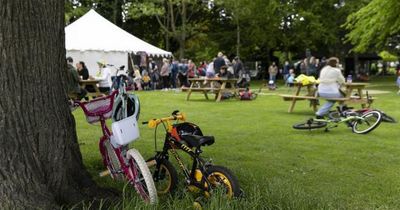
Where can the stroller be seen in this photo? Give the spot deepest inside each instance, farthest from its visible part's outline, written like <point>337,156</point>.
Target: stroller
<point>271,85</point>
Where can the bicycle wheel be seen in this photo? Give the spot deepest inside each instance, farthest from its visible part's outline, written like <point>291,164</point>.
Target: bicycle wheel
<point>310,124</point>
<point>222,178</point>
<point>166,179</point>
<point>140,177</point>
<point>112,161</point>
<point>334,115</point>
<point>387,118</point>
<point>370,121</point>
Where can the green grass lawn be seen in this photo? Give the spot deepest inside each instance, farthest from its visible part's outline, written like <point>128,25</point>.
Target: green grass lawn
<point>278,167</point>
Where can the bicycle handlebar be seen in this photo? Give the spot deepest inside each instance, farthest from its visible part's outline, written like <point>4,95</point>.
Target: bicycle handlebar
<point>154,122</point>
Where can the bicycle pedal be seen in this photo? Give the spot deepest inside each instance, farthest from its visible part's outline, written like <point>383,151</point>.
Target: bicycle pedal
<point>105,173</point>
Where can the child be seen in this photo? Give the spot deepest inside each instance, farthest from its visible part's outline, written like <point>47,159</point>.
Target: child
<point>137,79</point>
<point>290,79</point>
<point>146,81</point>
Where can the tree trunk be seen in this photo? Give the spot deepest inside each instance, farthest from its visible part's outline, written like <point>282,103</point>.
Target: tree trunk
<point>117,12</point>
<point>237,37</point>
<point>40,162</point>
<point>182,37</point>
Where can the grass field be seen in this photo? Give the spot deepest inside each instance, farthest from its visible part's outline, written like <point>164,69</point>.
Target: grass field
<point>278,167</point>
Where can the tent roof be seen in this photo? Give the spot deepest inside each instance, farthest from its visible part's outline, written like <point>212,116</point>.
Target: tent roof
<point>94,32</point>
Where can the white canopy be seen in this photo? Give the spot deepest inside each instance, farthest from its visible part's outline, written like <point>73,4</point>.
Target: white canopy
<point>92,38</point>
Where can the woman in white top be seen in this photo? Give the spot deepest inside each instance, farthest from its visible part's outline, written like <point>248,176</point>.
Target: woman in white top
<point>331,79</point>
<point>104,75</point>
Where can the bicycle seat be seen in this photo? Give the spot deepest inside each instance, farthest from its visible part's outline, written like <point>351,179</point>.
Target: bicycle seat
<point>195,140</point>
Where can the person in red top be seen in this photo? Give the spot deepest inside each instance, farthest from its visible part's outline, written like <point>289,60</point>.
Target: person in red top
<point>201,70</point>
<point>191,69</point>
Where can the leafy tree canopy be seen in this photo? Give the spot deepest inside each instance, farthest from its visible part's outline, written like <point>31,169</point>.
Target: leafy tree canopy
<point>372,26</point>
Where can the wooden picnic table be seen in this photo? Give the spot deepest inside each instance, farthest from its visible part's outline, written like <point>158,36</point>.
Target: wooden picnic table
<point>205,86</point>
<point>93,83</point>
<point>312,96</point>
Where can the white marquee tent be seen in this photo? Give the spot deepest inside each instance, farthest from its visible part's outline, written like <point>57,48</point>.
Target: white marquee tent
<point>92,38</point>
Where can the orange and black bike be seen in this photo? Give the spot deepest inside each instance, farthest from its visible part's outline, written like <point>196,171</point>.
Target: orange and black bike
<point>203,176</point>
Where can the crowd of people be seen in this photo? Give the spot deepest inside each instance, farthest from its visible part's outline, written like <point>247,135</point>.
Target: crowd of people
<point>308,66</point>
<point>175,74</point>
<point>167,75</point>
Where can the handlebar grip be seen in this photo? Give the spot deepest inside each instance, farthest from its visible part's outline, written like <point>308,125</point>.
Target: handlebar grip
<point>145,123</point>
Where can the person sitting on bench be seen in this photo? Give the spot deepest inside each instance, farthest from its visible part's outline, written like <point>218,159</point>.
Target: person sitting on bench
<point>331,79</point>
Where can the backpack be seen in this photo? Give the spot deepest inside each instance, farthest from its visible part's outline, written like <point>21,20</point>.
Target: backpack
<point>245,95</point>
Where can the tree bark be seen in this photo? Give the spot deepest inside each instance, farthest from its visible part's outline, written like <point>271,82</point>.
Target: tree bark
<point>182,38</point>
<point>237,37</point>
<point>40,161</point>
<point>117,12</point>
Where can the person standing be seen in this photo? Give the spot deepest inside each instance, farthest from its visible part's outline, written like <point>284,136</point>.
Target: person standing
<point>219,62</point>
<point>104,75</point>
<point>154,73</point>
<point>164,73</point>
<point>237,66</point>
<point>182,73</point>
<point>331,79</point>
<point>210,73</point>
<point>312,67</point>
<point>398,78</point>
<point>273,71</point>
<point>285,72</point>
<point>174,72</point>
<point>191,69</point>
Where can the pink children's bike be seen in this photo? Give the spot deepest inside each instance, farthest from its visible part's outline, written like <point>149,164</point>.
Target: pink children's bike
<point>121,162</point>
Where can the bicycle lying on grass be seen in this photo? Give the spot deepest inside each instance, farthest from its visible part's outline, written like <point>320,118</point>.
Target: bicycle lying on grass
<point>203,175</point>
<point>121,162</point>
<point>360,124</point>
<point>385,117</point>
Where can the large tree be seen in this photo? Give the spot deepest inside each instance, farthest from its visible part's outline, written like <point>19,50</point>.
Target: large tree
<point>374,25</point>
<point>40,162</point>
<point>177,19</point>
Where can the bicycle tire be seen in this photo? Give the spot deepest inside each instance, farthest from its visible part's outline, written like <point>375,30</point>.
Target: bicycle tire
<point>138,166</point>
<point>310,124</point>
<point>112,161</point>
<point>334,115</point>
<point>221,176</point>
<point>166,181</point>
<point>387,118</point>
<point>373,117</point>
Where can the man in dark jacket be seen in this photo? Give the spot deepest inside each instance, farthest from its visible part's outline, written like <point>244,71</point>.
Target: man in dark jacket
<point>238,66</point>
<point>73,81</point>
<point>219,62</point>
<point>174,72</point>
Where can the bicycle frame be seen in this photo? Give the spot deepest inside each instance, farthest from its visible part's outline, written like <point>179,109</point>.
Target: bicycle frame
<point>118,151</point>
<point>171,142</point>
<point>335,122</point>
